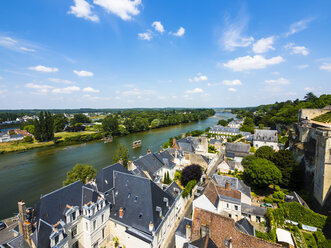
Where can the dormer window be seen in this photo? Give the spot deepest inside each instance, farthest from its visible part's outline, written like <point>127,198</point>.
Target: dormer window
<point>73,216</point>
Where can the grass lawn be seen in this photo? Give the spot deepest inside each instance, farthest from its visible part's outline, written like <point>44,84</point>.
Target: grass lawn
<point>20,146</point>
<point>64,135</point>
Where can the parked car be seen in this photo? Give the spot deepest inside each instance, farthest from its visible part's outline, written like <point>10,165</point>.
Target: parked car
<point>2,225</point>
<point>266,205</point>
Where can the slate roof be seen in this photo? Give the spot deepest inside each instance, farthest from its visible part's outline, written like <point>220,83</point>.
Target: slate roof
<point>219,128</point>
<point>265,135</point>
<point>51,207</point>
<point>237,147</point>
<point>181,229</point>
<point>235,183</point>
<point>245,226</point>
<point>213,141</point>
<point>18,242</point>
<point>250,209</point>
<point>104,179</point>
<point>44,231</point>
<point>139,197</point>
<point>174,190</point>
<point>153,162</point>
<point>205,242</point>
<point>172,152</point>
<point>188,144</point>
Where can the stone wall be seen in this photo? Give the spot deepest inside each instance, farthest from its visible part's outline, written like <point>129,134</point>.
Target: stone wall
<point>309,114</point>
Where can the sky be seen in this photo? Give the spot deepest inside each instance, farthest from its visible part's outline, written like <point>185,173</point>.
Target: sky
<point>162,53</point>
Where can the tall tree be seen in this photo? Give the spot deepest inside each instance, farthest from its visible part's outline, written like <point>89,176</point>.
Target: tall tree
<point>286,163</point>
<point>191,172</point>
<point>121,153</point>
<point>80,118</point>
<point>59,122</point>
<point>264,152</point>
<point>262,173</point>
<point>44,130</point>
<point>110,125</point>
<point>80,172</point>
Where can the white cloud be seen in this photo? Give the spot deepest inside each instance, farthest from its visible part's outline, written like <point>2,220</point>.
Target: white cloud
<point>231,82</point>
<point>180,32</point>
<point>233,37</point>
<point>158,26</point>
<point>42,68</point>
<point>194,91</point>
<point>145,36</point>
<point>263,45</point>
<point>63,81</point>
<point>279,81</point>
<point>125,9</point>
<point>90,89</point>
<point>41,88</point>
<point>27,49</point>
<point>309,89</point>
<point>326,66</point>
<point>198,78</point>
<point>66,90</point>
<point>137,92</point>
<point>298,26</point>
<point>82,9</point>
<point>302,66</point>
<point>297,49</point>
<point>83,73</point>
<point>252,63</point>
<point>232,89</point>
<point>7,41</point>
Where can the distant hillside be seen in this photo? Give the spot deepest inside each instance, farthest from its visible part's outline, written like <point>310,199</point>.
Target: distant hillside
<point>282,112</point>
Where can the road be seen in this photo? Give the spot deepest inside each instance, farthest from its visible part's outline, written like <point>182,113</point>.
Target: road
<point>187,213</point>
<point>7,234</point>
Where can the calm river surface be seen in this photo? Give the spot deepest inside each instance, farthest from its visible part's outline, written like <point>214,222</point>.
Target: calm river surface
<point>30,174</point>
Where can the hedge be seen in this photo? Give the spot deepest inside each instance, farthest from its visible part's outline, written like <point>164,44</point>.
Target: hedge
<point>296,212</point>
<point>188,188</point>
<point>310,241</point>
<point>83,138</point>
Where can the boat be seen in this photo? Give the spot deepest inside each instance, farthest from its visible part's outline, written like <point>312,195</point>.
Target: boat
<point>136,144</point>
<point>108,139</point>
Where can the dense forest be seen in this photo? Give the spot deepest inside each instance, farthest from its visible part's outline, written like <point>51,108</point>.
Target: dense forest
<point>282,112</point>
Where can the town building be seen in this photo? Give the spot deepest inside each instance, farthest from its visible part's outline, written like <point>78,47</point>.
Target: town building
<point>265,138</point>
<point>210,229</point>
<point>237,151</point>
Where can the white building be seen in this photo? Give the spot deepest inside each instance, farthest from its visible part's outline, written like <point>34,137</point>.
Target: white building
<point>266,138</point>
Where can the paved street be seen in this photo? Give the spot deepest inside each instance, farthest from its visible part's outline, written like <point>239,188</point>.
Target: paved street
<point>187,213</point>
<point>7,234</point>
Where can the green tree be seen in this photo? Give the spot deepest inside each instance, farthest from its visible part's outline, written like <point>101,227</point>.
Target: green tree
<point>59,122</point>
<point>224,123</point>
<point>121,153</point>
<point>29,128</point>
<point>286,163</point>
<point>44,130</point>
<point>264,152</point>
<point>28,139</point>
<point>262,173</point>
<point>110,125</point>
<point>245,162</point>
<point>80,118</point>
<point>310,97</point>
<point>155,123</point>
<point>80,172</point>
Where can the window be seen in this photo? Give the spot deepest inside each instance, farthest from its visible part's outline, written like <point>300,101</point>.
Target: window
<point>73,232</point>
<point>230,215</point>
<point>136,198</point>
<point>73,215</point>
<point>103,233</point>
<point>56,239</point>
<point>102,218</point>
<point>94,224</point>
<point>86,226</point>
<point>227,205</point>
<point>235,207</point>
<point>75,245</point>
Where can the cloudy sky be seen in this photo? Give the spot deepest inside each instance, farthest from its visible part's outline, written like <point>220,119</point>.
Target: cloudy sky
<point>162,53</point>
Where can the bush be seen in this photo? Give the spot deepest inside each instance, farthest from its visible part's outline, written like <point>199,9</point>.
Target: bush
<point>264,152</point>
<point>188,188</point>
<point>279,195</point>
<point>321,240</point>
<point>28,139</point>
<point>177,175</point>
<point>268,200</point>
<point>310,240</point>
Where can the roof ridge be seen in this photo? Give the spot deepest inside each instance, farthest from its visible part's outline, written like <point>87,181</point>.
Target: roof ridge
<point>66,186</point>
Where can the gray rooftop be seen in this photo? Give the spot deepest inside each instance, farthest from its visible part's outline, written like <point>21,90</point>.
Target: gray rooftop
<point>245,226</point>
<point>220,128</point>
<point>250,209</point>
<point>265,135</point>
<point>181,229</point>
<point>235,183</point>
<point>237,147</point>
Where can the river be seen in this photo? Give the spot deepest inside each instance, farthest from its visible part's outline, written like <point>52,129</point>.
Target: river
<point>29,174</point>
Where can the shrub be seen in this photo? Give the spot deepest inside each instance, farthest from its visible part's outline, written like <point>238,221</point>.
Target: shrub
<point>188,188</point>
<point>191,172</point>
<point>310,240</point>
<point>177,175</point>
<point>264,152</point>
<point>279,195</point>
<point>28,139</point>
<point>268,200</point>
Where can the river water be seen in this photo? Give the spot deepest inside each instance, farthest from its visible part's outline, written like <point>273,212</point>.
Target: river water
<point>28,175</point>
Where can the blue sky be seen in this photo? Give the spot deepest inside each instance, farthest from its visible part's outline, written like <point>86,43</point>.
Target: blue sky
<point>170,53</point>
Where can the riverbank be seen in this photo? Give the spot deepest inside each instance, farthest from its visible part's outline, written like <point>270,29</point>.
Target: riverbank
<point>61,139</point>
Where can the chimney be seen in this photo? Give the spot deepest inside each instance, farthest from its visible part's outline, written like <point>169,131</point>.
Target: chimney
<point>120,161</point>
<point>148,151</point>
<point>22,215</point>
<point>158,209</point>
<point>121,213</point>
<point>130,165</point>
<point>176,154</point>
<point>166,200</point>
<point>27,226</point>
<point>183,135</point>
<point>227,185</point>
<point>174,145</point>
<point>188,232</point>
<point>151,227</point>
